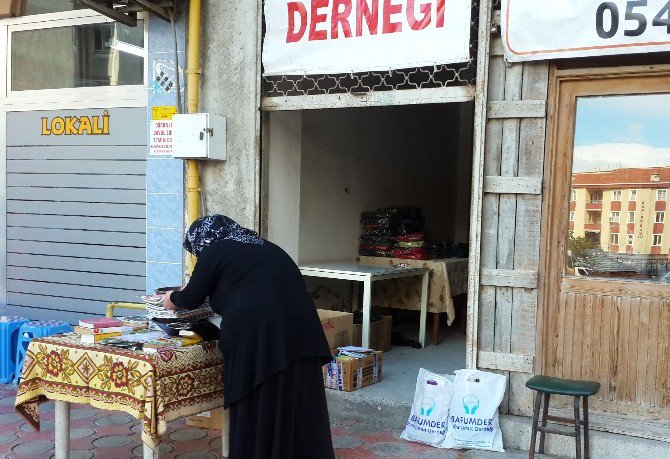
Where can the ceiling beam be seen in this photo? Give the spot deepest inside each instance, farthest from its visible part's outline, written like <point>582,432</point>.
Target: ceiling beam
<point>129,19</point>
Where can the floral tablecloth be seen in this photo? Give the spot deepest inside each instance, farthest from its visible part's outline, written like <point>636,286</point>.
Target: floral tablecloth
<point>448,278</point>
<point>155,388</point>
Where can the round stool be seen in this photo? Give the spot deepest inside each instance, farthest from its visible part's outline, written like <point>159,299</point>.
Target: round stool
<point>547,385</point>
<point>9,332</point>
<point>35,329</point>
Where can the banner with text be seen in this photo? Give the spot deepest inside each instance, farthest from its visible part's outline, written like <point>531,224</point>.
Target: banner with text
<point>534,30</point>
<point>306,37</point>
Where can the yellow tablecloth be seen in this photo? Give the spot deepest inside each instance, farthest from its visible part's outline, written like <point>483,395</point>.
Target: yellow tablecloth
<point>155,388</point>
<point>448,278</point>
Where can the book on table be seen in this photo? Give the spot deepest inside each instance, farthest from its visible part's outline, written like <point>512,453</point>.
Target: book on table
<point>94,338</point>
<point>100,322</point>
<point>97,331</point>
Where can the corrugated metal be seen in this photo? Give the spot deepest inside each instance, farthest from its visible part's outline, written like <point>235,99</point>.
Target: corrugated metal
<point>76,214</point>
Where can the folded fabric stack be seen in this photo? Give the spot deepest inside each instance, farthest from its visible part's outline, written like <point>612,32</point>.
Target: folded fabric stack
<point>411,246</point>
<point>379,229</point>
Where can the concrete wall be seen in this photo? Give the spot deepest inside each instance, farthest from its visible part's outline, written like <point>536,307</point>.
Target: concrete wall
<point>230,87</point>
<point>282,136</point>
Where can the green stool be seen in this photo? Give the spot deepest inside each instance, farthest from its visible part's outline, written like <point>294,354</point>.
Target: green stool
<point>547,385</point>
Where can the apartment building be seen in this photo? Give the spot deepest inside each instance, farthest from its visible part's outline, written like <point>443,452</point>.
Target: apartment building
<point>623,209</point>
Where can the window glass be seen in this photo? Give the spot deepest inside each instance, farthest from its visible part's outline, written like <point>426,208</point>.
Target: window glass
<point>621,151</point>
<point>51,6</point>
<point>107,54</point>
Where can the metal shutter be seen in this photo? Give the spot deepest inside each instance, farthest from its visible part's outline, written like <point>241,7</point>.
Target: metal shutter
<point>76,211</point>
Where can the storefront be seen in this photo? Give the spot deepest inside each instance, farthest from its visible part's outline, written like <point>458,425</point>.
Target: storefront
<point>84,199</point>
<point>336,145</point>
<point>603,309</point>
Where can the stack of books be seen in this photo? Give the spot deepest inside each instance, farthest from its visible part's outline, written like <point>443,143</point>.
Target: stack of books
<point>156,309</point>
<point>94,330</point>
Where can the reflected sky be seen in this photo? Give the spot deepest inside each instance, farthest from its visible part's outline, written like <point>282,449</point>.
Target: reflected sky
<point>614,132</point>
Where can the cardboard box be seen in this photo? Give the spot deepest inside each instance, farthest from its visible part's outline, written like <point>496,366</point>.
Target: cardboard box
<point>338,327</point>
<point>348,373</point>
<point>207,419</point>
<point>380,334</point>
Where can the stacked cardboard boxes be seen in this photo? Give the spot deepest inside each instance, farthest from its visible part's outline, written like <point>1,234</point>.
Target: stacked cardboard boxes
<point>380,334</point>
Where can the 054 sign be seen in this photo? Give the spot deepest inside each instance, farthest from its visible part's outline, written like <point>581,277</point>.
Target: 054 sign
<point>535,30</point>
<point>634,14</point>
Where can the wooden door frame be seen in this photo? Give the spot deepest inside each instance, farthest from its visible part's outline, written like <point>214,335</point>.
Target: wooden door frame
<point>564,87</point>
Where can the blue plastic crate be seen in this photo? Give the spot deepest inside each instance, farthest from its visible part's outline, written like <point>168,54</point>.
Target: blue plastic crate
<point>9,332</point>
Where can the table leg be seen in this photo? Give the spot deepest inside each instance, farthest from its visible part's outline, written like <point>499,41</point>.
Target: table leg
<point>62,429</point>
<point>354,297</point>
<point>436,328</point>
<point>424,308</point>
<point>148,452</point>
<point>225,433</point>
<point>367,305</point>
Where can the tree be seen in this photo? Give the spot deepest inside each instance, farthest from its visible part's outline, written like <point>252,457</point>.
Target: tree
<point>578,246</point>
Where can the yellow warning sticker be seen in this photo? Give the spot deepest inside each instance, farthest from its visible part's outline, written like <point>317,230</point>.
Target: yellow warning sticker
<point>164,112</point>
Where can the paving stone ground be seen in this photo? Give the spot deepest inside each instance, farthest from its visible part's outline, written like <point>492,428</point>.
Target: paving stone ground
<point>115,435</point>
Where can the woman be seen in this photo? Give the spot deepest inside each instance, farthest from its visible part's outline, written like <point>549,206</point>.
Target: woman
<point>271,340</point>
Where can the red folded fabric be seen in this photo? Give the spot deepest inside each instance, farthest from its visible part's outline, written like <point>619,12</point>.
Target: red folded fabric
<point>412,254</point>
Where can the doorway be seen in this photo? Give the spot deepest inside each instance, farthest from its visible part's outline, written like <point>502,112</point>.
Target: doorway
<point>605,298</point>
<point>324,168</point>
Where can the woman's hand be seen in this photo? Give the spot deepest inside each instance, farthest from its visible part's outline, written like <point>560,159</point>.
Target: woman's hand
<point>167,302</point>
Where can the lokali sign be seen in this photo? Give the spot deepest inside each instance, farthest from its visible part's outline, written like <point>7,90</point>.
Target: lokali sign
<point>535,30</point>
<point>342,36</point>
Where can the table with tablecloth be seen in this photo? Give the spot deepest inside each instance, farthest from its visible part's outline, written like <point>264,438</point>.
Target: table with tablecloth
<point>155,388</point>
<point>448,278</point>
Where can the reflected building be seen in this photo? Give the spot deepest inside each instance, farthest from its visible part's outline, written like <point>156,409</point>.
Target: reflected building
<point>623,210</point>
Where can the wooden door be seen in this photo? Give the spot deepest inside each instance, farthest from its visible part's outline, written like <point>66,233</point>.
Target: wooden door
<point>605,306</point>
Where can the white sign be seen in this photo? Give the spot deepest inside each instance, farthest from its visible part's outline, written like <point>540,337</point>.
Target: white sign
<point>343,36</point>
<point>161,138</point>
<point>534,30</point>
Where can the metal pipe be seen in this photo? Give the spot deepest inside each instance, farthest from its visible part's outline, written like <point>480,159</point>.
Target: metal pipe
<point>193,89</point>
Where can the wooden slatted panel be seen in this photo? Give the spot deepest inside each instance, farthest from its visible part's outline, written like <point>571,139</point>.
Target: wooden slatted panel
<point>76,217</point>
<point>512,215</point>
<point>621,342</point>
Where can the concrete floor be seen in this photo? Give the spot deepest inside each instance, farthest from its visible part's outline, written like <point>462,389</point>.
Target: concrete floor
<point>401,364</point>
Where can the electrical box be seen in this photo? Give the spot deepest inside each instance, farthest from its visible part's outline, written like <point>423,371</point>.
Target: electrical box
<point>199,136</point>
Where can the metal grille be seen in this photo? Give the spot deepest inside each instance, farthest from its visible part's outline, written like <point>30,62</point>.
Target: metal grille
<point>439,76</point>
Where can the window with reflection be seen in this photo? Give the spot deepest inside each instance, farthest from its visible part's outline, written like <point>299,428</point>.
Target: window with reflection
<point>106,54</point>
<point>619,190</point>
<point>51,6</point>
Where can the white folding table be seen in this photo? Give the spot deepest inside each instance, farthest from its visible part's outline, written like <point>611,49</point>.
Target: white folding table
<point>366,275</point>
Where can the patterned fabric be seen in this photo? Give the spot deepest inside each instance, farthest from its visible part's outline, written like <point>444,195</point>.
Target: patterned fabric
<point>207,230</point>
<point>156,388</point>
<point>448,278</point>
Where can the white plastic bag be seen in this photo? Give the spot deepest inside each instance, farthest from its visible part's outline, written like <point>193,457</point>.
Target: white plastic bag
<point>427,422</point>
<point>473,413</point>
